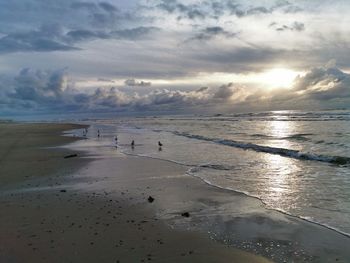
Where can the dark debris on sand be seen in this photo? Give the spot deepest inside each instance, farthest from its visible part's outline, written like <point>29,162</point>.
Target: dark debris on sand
<point>70,156</point>
<point>185,214</point>
<point>150,199</point>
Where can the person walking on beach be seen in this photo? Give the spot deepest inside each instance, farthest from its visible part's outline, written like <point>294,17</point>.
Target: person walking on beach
<point>133,144</point>
<point>160,146</point>
<point>98,133</point>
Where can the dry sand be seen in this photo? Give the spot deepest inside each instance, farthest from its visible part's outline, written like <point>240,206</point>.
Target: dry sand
<point>49,212</point>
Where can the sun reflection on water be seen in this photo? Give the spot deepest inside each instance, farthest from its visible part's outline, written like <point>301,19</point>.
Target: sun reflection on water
<point>282,179</point>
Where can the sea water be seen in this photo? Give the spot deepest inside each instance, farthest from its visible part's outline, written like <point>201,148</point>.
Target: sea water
<point>293,161</point>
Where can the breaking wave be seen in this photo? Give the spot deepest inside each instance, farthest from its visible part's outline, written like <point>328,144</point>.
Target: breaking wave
<point>339,160</point>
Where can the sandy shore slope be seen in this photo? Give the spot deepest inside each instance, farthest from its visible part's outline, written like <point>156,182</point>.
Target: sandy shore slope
<point>50,212</point>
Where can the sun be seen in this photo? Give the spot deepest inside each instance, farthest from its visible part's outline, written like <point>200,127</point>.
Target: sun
<point>278,77</point>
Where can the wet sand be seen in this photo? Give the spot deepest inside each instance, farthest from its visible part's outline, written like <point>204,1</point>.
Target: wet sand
<point>230,218</point>
<point>57,210</point>
<point>25,153</point>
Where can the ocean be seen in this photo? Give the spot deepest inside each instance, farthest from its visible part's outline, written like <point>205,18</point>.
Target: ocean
<point>296,162</point>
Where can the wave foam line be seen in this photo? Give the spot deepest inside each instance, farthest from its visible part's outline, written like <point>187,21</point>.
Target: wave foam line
<point>192,172</point>
<point>340,160</point>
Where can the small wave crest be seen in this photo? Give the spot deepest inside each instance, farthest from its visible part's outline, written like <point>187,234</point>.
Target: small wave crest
<point>339,160</point>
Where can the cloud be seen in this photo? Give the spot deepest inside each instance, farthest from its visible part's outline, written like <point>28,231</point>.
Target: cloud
<point>90,6</point>
<point>189,11</point>
<point>53,91</point>
<point>48,26</point>
<point>215,9</point>
<point>105,80</point>
<point>224,92</point>
<point>40,87</point>
<point>211,32</point>
<point>108,7</point>
<point>119,39</point>
<point>135,83</point>
<point>134,33</point>
<point>47,38</point>
<point>51,38</point>
<point>323,84</point>
<point>295,26</point>
<point>128,34</point>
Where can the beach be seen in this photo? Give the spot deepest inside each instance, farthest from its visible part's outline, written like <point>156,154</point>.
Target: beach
<point>109,205</point>
<point>53,210</point>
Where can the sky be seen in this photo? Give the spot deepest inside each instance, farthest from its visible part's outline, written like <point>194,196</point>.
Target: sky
<point>173,56</point>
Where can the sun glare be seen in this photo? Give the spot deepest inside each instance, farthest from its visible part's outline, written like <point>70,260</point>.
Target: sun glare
<point>278,78</point>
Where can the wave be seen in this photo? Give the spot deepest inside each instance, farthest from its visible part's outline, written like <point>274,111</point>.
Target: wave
<point>298,136</point>
<point>339,115</point>
<point>339,160</point>
<point>194,169</point>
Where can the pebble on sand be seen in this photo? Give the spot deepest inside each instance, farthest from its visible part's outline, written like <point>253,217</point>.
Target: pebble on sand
<point>150,199</point>
<point>186,214</point>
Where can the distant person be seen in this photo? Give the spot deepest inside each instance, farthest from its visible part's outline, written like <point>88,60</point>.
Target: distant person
<point>98,133</point>
<point>116,139</point>
<point>133,144</point>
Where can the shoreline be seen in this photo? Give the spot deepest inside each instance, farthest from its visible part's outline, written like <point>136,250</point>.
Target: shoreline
<point>274,209</point>
<point>243,193</point>
<point>60,222</point>
<point>273,226</point>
